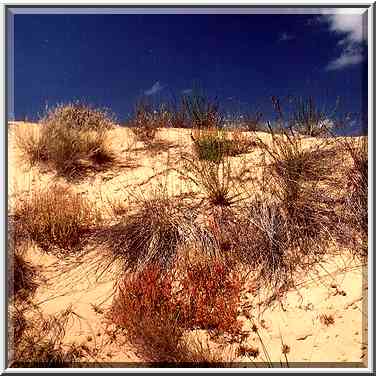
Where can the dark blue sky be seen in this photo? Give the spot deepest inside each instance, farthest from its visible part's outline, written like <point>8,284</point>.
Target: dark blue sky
<point>111,60</point>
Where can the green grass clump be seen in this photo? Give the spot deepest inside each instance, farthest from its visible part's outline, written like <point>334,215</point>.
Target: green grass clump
<point>212,147</point>
<point>215,144</point>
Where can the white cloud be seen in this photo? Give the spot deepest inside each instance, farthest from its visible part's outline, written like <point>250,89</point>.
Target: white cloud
<point>285,37</point>
<point>187,91</point>
<point>350,28</point>
<point>349,25</point>
<point>157,87</point>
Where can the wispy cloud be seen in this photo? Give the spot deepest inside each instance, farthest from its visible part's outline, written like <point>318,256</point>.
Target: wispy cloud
<point>283,37</point>
<point>156,88</point>
<point>187,91</point>
<point>350,28</point>
<point>350,56</point>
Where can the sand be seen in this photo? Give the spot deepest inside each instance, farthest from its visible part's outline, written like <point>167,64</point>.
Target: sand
<point>337,288</point>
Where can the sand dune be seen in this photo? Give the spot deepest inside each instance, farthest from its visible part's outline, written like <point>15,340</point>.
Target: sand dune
<point>337,288</point>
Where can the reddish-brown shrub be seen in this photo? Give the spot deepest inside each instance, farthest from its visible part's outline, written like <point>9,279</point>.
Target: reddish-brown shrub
<point>210,297</point>
<point>156,308</point>
<point>146,309</point>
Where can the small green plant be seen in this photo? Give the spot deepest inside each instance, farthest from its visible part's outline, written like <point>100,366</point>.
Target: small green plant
<point>215,144</point>
<point>211,145</point>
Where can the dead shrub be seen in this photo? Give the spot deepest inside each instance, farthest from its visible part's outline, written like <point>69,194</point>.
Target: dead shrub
<point>79,116</point>
<point>203,112</point>
<point>145,309</point>
<point>29,142</point>
<point>210,297</point>
<point>326,319</point>
<point>178,116</point>
<point>306,117</point>
<point>147,121</point>
<point>252,121</point>
<point>241,142</point>
<point>55,216</point>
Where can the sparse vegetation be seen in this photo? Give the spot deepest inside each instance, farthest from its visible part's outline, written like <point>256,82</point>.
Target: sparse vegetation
<point>179,260</point>
<point>148,234</point>
<point>203,112</point>
<point>37,341</point>
<point>145,123</point>
<point>300,178</point>
<point>305,117</point>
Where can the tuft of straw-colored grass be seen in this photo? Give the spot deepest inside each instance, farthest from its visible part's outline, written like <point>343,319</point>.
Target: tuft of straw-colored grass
<point>73,139</point>
<point>55,217</point>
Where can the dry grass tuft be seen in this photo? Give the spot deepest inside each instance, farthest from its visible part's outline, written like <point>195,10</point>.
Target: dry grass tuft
<point>251,351</point>
<point>55,216</point>
<point>301,178</point>
<point>145,123</point>
<point>37,341</point>
<point>149,232</point>
<point>73,139</point>
<point>357,185</point>
<point>305,116</point>
<point>148,120</point>
<point>23,277</point>
<point>218,180</point>
<point>326,319</point>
